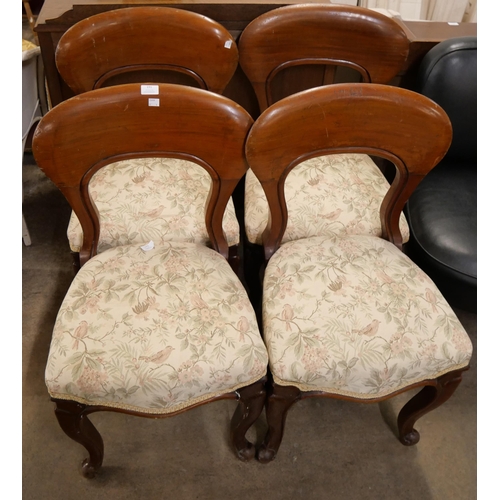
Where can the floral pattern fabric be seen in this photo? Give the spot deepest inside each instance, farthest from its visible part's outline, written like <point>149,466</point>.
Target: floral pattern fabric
<point>154,331</point>
<point>355,316</point>
<point>331,195</point>
<point>151,199</point>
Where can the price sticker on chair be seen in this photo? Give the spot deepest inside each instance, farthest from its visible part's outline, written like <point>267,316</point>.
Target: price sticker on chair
<point>150,89</point>
<point>153,102</point>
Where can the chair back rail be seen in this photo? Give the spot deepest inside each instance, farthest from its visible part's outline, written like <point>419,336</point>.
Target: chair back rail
<point>399,125</point>
<point>93,52</point>
<point>85,133</point>
<point>373,44</point>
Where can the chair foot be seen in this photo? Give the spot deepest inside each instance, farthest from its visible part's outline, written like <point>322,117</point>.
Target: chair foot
<point>429,398</point>
<point>250,405</point>
<point>279,401</point>
<point>75,423</point>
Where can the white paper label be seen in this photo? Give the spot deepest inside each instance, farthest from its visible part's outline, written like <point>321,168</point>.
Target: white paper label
<point>228,44</point>
<point>148,246</point>
<point>453,24</point>
<point>153,102</point>
<point>150,89</point>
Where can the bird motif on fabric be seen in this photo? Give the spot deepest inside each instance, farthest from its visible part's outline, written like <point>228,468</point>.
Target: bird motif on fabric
<point>80,332</point>
<point>332,215</point>
<point>243,327</point>
<point>198,302</point>
<point>369,330</point>
<point>158,358</point>
<point>156,212</point>
<point>431,298</point>
<point>287,314</point>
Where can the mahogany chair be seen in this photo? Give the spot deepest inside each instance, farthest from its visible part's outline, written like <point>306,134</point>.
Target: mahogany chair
<point>334,43</point>
<point>351,316</point>
<point>149,45</point>
<point>150,330</point>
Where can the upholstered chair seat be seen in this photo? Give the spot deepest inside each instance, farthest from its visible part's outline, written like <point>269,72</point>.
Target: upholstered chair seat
<point>149,45</point>
<point>151,199</point>
<point>154,331</point>
<point>356,317</point>
<point>152,328</point>
<point>332,195</point>
<point>352,317</point>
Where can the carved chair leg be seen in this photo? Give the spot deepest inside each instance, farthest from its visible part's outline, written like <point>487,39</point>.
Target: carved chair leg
<point>250,405</point>
<point>279,401</point>
<point>77,426</point>
<point>429,398</point>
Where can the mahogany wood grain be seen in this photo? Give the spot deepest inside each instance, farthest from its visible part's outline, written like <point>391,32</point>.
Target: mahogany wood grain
<point>74,421</point>
<point>395,124</point>
<point>151,40</point>
<point>281,398</point>
<point>312,34</point>
<point>94,129</point>
<point>399,125</point>
<point>57,16</point>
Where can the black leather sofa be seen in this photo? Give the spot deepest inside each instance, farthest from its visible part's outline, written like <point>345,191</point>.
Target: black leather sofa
<point>442,212</point>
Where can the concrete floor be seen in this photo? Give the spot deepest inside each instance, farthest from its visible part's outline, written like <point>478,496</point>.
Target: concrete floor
<point>331,449</point>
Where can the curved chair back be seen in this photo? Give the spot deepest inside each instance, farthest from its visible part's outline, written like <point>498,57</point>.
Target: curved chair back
<point>374,45</point>
<point>399,125</point>
<point>448,76</point>
<point>146,44</point>
<point>85,133</point>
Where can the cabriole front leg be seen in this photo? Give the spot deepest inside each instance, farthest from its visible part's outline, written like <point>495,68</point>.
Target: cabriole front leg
<point>429,398</point>
<point>75,423</point>
<point>250,405</point>
<point>279,401</point>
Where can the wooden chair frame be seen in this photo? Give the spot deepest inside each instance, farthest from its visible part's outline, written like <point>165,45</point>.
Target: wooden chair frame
<point>164,44</point>
<point>396,124</point>
<point>313,34</point>
<point>87,132</point>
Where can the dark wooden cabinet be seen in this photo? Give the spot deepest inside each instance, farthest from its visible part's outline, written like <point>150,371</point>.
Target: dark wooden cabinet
<point>56,16</point>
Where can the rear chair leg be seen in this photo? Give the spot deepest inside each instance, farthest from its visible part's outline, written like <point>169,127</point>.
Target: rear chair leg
<point>279,401</point>
<point>75,423</point>
<point>250,405</point>
<point>429,398</point>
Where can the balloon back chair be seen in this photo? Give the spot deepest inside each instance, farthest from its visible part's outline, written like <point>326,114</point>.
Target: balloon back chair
<point>149,45</point>
<point>338,194</point>
<point>351,316</point>
<point>150,330</point>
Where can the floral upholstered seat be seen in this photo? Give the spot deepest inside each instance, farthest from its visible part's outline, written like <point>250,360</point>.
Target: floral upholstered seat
<point>329,195</point>
<point>149,44</point>
<point>351,316</point>
<point>148,331</point>
<point>354,316</point>
<point>151,329</point>
<point>151,199</point>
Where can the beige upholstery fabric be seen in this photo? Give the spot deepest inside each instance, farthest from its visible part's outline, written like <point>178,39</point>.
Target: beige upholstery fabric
<point>154,331</point>
<point>354,316</point>
<point>331,195</point>
<point>156,199</point>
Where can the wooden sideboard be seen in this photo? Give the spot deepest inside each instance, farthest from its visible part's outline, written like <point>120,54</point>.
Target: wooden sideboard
<point>56,16</point>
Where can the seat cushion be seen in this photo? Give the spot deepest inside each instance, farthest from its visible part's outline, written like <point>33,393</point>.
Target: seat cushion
<point>442,213</point>
<point>354,316</point>
<point>158,199</point>
<point>154,331</point>
<point>330,195</point>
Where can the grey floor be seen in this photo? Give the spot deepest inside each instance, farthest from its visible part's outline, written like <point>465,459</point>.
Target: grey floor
<point>332,449</point>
